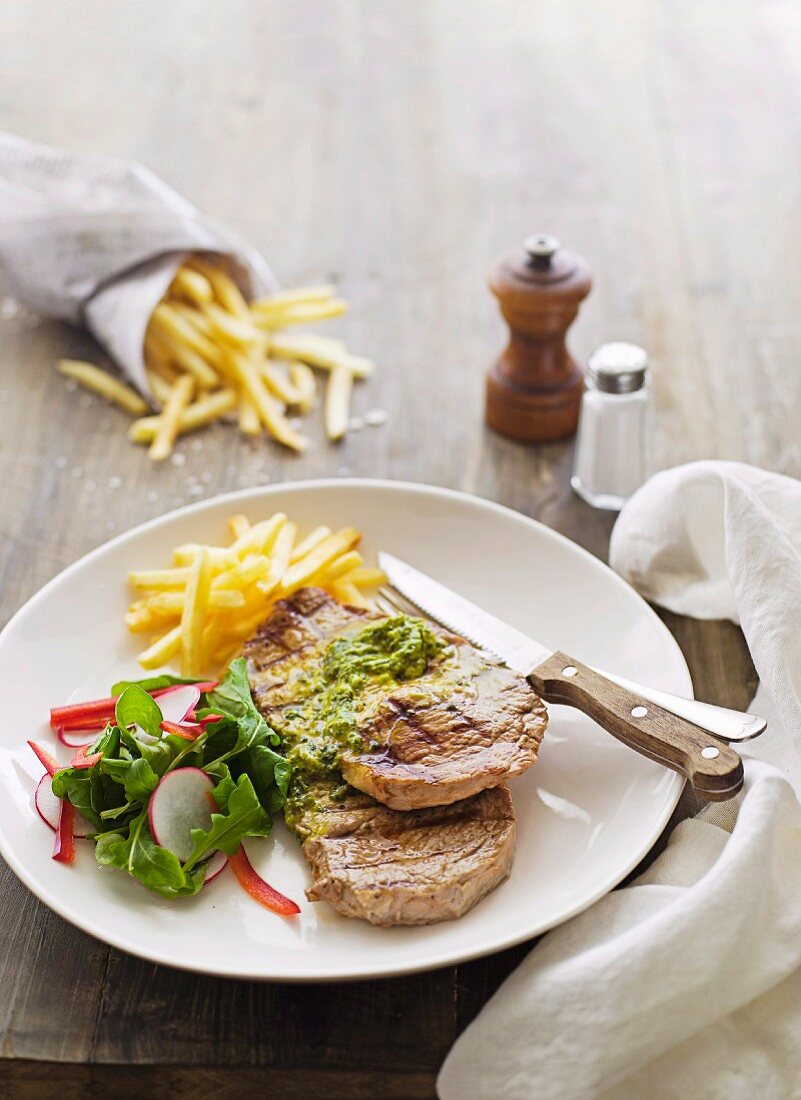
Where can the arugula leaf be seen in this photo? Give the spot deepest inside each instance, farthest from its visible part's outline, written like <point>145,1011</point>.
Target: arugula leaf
<point>158,755</point>
<point>152,683</point>
<point>232,698</point>
<point>269,772</point>
<point>76,786</point>
<point>241,815</point>
<point>136,708</point>
<point>154,866</point>
<point>140,781</point>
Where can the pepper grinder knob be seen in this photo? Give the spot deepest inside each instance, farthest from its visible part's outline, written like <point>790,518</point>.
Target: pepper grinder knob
<point>534,387</point>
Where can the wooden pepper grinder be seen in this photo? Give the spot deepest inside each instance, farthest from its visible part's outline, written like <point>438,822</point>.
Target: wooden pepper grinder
<point>534,388</point>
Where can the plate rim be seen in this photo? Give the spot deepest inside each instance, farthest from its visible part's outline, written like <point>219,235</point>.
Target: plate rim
<point>419,964</point>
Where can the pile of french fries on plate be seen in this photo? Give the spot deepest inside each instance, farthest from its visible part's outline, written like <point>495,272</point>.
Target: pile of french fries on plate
<point>203,606</point>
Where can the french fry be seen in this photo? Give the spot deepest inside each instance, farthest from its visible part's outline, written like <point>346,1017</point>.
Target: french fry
<point>192,285</point>
<point>319,352</point>
<point>186,357</point>
<point>195,318</point>
<point>172,326</point>
<point>302,313</point>
<point>204,411</point>
<point>259,539</point>
<point>159,385</point>
<point>169,421</point>
<point>337,402</point>
<point>249,423</point>
<point>348,593</point>
<point>340,566</point>
<point>219,556</point>
<point>174,602</point>
<point>238,525</point>
<point>225,289</point>
<point>278,384</point>
<point>234,330</point>
<point>254,568</point>
<point>97,380</point>
<point>302,378</point>
<point>280,557</point>
<point>366,576</point>
<point>198,592</point>
<point>162,650</point>
<point>138,619</point>
<point>300,295</point>
<point>325,552</point>
<point>269,411</point>
<point>158,578</point>
<point>314,538</point>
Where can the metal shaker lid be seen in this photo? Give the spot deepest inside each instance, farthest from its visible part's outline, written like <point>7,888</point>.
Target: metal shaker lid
<point>618,367</point>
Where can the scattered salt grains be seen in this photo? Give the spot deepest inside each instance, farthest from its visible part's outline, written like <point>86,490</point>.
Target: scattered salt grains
<point>61,462</point>
<point>355,424</point>
<point>114,483</point>
<point>77,471</point>
<point>90,486</point>
<point>71,385</point>
<point>86,400</point>
<point>197,445</point>
<point>10,309</point>
<point>205,477</point>
<point>196,491</point>
<point>376,417</point>
<point>151,496</point>
<point>178,459</point>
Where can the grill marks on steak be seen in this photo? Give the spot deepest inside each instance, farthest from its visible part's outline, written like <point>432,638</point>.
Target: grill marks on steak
<point>474,724</point>
<point>464,726</point>
<point>418,867</point>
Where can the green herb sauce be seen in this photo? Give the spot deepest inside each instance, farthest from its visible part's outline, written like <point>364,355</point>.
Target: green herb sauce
<point>317,729</point>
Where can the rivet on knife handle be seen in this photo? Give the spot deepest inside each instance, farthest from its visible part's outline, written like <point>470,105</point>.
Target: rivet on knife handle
<point>714,769</point>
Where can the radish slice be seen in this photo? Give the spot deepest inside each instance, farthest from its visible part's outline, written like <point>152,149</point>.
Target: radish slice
<point>176,702</point>
<point>255,885</point>
<point>179,804</point>
<point>49,809</point>
<point>144,737</point>
<point>215,866</point>
<point>74,741</point>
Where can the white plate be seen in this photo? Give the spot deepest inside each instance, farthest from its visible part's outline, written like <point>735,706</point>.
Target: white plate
<point>588,811</point>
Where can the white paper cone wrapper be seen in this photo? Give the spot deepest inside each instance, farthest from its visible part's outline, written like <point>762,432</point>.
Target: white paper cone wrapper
<point>97,241</point>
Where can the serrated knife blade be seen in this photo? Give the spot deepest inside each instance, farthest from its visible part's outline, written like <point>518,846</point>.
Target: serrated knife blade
<point>515,649</point>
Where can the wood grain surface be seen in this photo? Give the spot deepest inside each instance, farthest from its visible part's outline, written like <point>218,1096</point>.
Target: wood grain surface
<point>394,147</point>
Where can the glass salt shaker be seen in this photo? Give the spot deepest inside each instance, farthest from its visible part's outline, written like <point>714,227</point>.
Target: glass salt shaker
<point>613,446</point>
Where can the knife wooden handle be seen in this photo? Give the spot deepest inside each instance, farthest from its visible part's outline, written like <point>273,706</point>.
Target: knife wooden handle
<point>714,769</point>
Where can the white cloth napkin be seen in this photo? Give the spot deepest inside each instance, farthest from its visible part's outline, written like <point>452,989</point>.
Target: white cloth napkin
<point>98,240</point>
<point>688,982</point>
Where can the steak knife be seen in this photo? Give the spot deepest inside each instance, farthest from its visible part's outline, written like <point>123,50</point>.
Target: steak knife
<point>683,734</point>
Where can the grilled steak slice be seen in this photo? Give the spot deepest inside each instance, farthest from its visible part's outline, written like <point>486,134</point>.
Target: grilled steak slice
<point>463,726</point>
<point>418,867</point>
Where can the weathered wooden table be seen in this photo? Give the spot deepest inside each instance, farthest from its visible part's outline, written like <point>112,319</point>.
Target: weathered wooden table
<point>395,148</point>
